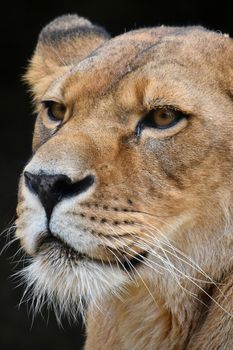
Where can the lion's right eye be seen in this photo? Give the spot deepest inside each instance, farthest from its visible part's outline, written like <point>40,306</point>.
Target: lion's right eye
<point>55,110</point>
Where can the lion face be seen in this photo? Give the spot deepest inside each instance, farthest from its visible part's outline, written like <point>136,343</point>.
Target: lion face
<point>132,149</point>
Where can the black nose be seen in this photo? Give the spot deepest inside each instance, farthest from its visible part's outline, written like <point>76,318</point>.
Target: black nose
<point>51,189</point>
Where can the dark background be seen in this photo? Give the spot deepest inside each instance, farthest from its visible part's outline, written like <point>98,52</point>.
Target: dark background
<point>20,24</point>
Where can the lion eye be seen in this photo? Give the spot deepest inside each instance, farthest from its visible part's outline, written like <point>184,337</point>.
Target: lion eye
<point>56,111</point>
<point>160,118</point>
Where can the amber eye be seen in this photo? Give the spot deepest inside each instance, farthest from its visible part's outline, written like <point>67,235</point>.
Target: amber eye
<point>56,111</point>
<point>160,118</point>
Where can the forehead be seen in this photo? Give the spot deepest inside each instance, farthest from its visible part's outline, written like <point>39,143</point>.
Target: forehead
<point>167,50</point>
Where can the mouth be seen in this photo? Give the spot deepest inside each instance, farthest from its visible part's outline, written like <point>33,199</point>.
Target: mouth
<point>125,263</point>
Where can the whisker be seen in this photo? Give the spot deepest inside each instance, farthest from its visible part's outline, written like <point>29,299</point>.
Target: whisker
<point>7,245</point>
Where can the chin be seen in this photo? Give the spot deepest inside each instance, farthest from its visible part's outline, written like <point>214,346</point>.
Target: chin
<point>68,281</point>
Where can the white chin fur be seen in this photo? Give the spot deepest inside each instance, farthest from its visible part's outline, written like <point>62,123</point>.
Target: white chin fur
<point>68,286</point>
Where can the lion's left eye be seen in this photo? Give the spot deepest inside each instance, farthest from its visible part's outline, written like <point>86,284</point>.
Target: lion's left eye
<point>160,118</point>
<point>56,111</point>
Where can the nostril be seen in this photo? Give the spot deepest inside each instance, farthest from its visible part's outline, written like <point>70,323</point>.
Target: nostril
<point>51,189</point>
<point>70,189</point>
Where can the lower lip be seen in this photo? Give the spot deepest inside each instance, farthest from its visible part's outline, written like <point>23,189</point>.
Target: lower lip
<point>126,265</point>
<point>51,241</point>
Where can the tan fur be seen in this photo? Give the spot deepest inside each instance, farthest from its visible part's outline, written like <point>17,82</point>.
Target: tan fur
<point>171,189</point>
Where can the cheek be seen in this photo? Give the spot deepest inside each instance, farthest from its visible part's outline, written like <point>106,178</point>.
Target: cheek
<point>181,156</point>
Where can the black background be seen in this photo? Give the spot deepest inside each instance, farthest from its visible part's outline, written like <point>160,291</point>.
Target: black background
<point>20,24</point>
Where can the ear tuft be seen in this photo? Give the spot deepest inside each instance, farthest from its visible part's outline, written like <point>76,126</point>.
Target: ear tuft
<point>69,26</point>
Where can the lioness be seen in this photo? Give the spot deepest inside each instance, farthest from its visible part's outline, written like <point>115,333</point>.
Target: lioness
<point>126,205</point>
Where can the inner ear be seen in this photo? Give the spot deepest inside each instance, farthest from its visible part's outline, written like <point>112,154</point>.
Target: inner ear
<point>62,43</point>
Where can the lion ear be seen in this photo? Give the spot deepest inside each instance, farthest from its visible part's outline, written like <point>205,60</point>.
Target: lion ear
<point>62,43</point>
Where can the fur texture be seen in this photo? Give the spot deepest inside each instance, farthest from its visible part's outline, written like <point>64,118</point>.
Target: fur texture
<point>162,198</point>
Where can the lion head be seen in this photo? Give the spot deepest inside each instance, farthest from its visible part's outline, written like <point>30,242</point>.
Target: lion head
<point>131,173</point>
